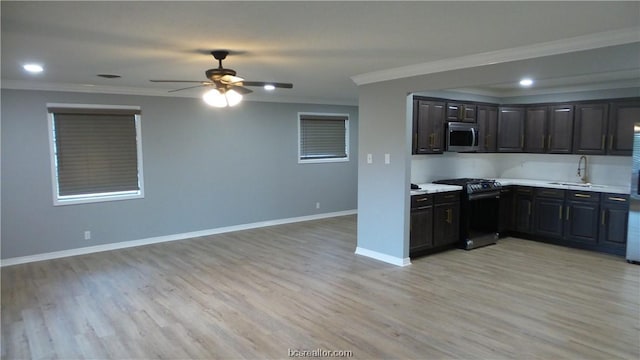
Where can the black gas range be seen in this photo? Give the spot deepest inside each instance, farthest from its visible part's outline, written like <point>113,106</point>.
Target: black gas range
<point>479,206</point>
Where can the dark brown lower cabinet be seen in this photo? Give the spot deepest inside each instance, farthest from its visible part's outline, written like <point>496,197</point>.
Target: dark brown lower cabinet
<point>506,211</point>
<point>524,209</point>
<point>446,220</point>
<point>421,231</point>
<point>614,219</point>
<point>581,217</point>
<point>435,220</point>
<point>549,212</point>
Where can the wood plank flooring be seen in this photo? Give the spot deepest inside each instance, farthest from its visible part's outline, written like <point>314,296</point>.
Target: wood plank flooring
<point>260,293</point>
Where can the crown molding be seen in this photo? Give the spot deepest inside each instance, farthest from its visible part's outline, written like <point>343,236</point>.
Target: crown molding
<point>623,84</point>
<point>556,47</point>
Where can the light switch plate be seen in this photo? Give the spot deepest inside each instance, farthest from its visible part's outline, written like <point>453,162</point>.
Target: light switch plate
<point>369,159</point>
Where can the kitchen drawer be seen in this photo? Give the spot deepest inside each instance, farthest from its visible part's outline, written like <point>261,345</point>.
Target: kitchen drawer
<point>506,189</point>
<point>615,199</point>
<point>550,193</point>
<point>418,201</point>
<point>577,195</point>
<point>446,197</point>
<point>524,190</point>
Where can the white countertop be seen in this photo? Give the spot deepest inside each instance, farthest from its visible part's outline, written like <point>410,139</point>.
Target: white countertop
<point>435,188</point>
<point>566,185</point>
<point>431,188</point>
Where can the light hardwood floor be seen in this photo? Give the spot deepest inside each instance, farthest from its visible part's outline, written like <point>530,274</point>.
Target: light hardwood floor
<point>258,293</point>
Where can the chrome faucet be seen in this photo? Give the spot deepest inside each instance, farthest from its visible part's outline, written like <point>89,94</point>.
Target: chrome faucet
<point>583,172</point>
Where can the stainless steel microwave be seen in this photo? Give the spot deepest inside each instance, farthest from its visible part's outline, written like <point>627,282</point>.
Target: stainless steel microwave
<point>462,137</point>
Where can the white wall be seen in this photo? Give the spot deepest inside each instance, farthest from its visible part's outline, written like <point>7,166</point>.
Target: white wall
<point>604,170</point>
<point>204,168</point>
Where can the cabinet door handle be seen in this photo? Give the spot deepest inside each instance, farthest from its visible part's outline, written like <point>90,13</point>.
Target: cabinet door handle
<point>568,208</point>
<point>610,142</point>
<point>543,141</point>
<point>602,217</point>
<point>528,208</point>
<point>432,139</point>
<point>582,195</point>
<point>549,142</point>
<point>422,199</point>
<point>560,212</point>
<point>521,140</point>
<point>449,216</point>
<point>617,199</point>
<point>603,139</point>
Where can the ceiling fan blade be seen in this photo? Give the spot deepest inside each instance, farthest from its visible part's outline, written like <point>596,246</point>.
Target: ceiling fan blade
<point>241,90</point>
<point>263,83</point>
<point>230,79</point>
<point>191,87</point>
<point>180,81</point>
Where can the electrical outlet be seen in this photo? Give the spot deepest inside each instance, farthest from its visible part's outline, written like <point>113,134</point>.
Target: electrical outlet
<point>317,205</point>
<point>87,235</point>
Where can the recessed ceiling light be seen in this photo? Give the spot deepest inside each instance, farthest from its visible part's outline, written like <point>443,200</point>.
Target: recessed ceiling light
<point>33,68</point>
<point>526,82</point>
<point>269,87</point>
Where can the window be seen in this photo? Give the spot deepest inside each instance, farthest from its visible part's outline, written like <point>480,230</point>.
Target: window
<point>96,153</point>
<point>323,137</point>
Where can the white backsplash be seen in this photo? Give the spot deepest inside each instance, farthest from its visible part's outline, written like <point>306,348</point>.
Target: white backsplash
<point>427,168</point>
<point>603,170</point>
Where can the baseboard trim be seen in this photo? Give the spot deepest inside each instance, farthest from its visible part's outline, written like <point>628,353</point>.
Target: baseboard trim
<point>383,257</point>
<point>166,238</point>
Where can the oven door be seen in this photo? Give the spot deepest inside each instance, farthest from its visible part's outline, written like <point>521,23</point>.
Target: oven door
<point>482,219</point>
<point>462,137</point>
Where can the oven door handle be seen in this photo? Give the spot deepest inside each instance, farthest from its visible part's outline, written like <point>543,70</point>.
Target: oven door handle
<point>474,141</point>
<point>485,195</point>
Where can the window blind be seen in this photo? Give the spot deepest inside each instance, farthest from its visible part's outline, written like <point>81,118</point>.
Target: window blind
<point>322,136</point>
<point>95,150</point>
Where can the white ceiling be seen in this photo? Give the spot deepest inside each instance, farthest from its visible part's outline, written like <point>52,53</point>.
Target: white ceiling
<point>318,46</point>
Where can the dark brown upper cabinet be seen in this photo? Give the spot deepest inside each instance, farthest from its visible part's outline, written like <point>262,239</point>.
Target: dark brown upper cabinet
<point>428,127</point>
<point>560,133</point>
<point>622,117</point>
<point>461,112</point>
<point>511,129</point>
<point>535,133</point>
<point>487,128</point>
<point>590,128</point>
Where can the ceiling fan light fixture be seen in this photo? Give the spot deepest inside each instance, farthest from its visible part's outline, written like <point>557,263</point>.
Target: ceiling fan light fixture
<point>220,98</point>
<point>269,87</point>
<point>526,82</point>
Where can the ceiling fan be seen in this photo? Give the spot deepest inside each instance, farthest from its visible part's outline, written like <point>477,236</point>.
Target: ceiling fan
<point>227,87</point>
